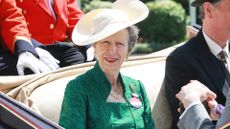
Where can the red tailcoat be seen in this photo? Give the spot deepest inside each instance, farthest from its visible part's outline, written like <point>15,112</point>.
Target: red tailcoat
<point>42,24</point>
<point>12,23</point>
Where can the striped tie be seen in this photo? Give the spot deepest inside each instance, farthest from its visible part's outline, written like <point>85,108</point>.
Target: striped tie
<point>222,57</point>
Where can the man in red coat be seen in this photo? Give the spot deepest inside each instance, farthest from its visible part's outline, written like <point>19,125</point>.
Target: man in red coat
<point>16,49</point>
<point>51,22</point>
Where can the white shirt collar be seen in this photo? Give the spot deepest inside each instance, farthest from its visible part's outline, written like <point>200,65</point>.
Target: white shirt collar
<point>214,47</point>
<point>226,48</point>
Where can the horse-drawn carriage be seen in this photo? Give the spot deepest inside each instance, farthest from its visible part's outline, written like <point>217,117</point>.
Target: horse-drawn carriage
<point>40,95</point>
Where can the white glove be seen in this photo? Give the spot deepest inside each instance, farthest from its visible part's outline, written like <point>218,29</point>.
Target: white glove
<point>90,54</point>
<point>28,60</point>
<point>47,58</point>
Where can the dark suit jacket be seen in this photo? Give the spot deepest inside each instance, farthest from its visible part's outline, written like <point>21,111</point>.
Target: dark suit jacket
<point>201,120</point>
<point>192,61</point>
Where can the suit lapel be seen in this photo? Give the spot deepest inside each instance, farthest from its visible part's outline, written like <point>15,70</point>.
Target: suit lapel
<point>58,7</point>
<point>44,5</point>
<point>210,63</point>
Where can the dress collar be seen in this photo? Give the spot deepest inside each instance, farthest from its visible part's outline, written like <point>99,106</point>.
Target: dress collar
<point>102,82</point>
<point>214,47</point>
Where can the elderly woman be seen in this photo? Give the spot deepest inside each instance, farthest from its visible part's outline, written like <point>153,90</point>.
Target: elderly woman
<point>103,98</point>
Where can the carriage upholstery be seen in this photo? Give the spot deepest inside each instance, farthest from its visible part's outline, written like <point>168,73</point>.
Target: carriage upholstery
<point>43,93</point>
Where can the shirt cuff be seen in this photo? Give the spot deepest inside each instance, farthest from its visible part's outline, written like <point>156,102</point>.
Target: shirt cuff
<point>23,46</point>
<point>36,43</point>
<point>189,106</point>
<point>22,38</point>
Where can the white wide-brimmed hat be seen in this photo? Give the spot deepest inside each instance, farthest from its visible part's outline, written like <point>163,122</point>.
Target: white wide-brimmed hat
<point>101,23</point>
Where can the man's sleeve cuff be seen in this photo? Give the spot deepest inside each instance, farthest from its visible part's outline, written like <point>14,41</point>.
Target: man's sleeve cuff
<point>22,46</point>
<point>36,43</point>
<point>192,104</point>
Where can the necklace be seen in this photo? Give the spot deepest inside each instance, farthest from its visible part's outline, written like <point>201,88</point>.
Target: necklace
<point>117,93</point>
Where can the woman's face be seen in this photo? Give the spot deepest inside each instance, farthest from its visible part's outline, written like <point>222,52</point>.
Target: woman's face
<point>112,51</point>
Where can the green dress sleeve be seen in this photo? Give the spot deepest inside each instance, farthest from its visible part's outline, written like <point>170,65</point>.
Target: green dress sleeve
<point>149,124</point>
<point>73,110</point>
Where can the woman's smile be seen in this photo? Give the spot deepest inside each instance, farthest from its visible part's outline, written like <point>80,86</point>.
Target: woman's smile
<point>111,59</point>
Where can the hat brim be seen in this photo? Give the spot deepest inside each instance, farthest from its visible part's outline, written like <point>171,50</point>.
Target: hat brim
<point>82,34</point>
<point>197,3</point>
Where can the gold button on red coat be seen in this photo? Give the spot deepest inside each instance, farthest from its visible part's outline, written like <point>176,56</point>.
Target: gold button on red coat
<point>51,26</point>
<point>24,11</point>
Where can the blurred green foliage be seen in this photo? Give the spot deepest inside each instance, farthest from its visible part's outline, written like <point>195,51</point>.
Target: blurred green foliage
<point>142,48</point>
<point>165,24</point>
<point>185,5</point>
<point>96,4</point>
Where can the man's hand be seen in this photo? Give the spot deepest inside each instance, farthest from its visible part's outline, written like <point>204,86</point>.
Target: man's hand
<point>28,60</point>
<point>47,59</point>
<point>213,114</point>
<point>195,92</point>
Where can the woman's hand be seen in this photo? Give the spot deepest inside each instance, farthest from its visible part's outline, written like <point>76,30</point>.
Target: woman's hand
<point>212,104</point>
